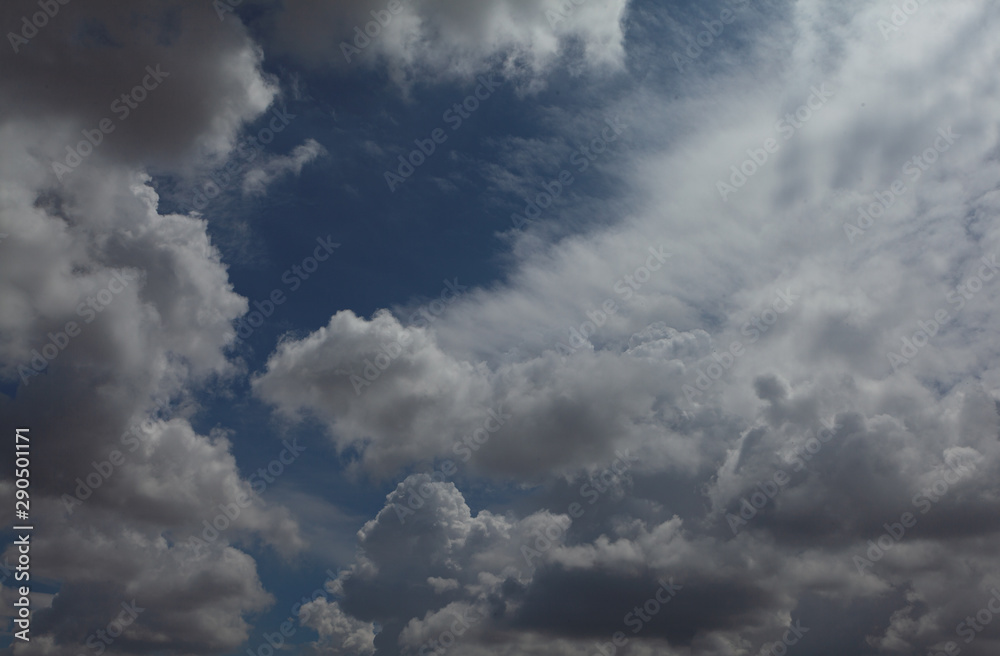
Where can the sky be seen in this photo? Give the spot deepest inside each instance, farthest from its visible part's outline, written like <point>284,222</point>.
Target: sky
<point>496,328</point>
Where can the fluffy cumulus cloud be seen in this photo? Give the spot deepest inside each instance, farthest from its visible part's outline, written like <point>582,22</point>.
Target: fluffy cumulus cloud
<point>808,382</point>
<point>120,312</point>
<point>392,392</point>
<point>740,395</point>
<point>532,585</point>
<point>338,632</point>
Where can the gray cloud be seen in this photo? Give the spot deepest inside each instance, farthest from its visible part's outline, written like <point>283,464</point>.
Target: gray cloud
<point>897,428</point>
<point>571,395</point>
<point>138,308</point>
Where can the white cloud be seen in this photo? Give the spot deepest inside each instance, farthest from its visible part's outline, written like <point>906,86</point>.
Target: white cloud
<point>256,181</point>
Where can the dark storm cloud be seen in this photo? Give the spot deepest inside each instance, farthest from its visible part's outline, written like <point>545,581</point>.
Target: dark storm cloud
<point>597,603</point>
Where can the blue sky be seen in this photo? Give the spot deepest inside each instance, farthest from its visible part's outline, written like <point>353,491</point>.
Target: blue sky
<point>732,390</point>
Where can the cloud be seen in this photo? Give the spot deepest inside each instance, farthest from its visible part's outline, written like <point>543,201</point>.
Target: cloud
<point>189,601</point>
<point>766,379</point>
<point>529,584</point>
<point>115,315</point>
<point>338,633</point>
<point>256,181</point>
<point>211,85</point>
<point>715,369</point>
<point>451,39</point>
<point>534,417</point>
